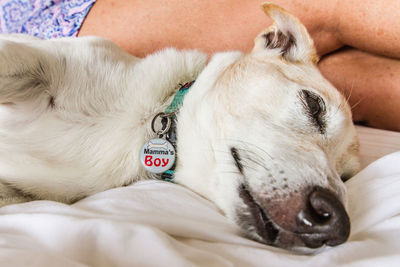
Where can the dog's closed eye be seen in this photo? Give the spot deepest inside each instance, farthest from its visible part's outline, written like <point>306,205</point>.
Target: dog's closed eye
<point>315,107</point>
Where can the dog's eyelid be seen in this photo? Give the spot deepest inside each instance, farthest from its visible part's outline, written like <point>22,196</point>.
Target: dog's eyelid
<point>309,96</point>
<point>237,159</point>
<point>315,106</point>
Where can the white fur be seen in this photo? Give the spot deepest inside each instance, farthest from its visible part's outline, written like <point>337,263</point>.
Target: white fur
<point>105,99</point>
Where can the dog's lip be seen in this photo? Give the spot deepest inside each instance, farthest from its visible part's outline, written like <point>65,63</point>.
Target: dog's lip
<point>264,225</point>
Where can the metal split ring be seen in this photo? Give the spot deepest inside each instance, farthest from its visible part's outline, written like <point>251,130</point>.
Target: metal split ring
<point>162,115</point>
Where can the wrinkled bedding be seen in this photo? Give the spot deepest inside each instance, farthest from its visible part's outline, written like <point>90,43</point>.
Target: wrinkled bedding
<point>156,223</point>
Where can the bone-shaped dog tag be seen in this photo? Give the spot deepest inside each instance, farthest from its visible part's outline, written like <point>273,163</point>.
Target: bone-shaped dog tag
<point>157,155</point>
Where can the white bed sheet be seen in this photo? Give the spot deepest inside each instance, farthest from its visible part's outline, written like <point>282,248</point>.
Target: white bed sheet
<point>155,223</point>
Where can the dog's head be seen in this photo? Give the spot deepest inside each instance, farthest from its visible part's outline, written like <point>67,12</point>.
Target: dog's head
<point>268,139</point>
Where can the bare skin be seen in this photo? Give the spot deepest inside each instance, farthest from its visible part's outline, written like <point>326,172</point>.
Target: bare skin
<point>371,82</point>
<point>142,27</point>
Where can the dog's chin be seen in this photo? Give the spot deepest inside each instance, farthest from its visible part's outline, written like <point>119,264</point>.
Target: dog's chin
<point>291,239</point>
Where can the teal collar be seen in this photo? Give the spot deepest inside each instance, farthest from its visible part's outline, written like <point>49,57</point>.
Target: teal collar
<point>170,135</point>
<point>178,98</point>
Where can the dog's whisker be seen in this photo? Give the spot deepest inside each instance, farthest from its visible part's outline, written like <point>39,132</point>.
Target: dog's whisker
<point>251,145</point>
<point>358,102</point>
<point>245,166</point>
<point>347,98</point>
<point>230,172</point>
<point>245,151</point>
<point>257,160</point>
<point>350,93</point>
<point>258,164</point>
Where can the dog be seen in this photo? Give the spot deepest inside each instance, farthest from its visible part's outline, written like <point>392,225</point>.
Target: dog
<point>262,134</point>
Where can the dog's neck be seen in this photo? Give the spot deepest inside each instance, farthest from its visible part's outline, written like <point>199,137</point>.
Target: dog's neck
<point>170,135</point>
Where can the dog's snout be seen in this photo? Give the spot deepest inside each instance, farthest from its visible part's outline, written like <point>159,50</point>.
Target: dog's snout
<point>323,220</point>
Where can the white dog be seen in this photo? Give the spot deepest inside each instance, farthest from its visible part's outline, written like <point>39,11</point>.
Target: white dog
<point>263,135</point>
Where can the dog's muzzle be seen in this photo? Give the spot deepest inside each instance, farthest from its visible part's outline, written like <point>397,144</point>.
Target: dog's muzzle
<point>311,220</point>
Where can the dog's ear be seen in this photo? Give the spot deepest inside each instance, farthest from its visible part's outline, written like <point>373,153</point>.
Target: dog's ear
<point>287,37</point>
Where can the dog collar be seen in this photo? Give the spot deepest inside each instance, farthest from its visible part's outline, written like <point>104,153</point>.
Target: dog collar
<point>159,155</point>
<point>173,108</point>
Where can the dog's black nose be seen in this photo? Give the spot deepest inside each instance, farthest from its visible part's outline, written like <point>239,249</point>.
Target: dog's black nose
<point>323,221</point>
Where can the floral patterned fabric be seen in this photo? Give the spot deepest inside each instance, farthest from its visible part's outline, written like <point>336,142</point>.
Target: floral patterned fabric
<point>43,18</point>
